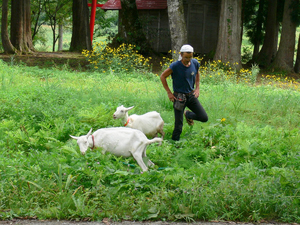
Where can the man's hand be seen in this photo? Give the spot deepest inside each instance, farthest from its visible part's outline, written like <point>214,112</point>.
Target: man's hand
<point>196,93</point>
<point>171,96</point>
<point>163,78</point>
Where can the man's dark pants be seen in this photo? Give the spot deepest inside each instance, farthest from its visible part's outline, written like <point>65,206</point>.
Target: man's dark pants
<point>198,113</point>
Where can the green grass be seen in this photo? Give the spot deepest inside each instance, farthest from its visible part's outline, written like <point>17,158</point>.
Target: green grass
<point>242,165</point>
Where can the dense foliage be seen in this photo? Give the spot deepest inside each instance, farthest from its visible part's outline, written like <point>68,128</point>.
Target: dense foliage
<point>123,58</point>
<point>242,165</point>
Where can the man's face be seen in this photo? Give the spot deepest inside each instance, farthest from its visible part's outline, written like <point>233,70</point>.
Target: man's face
<point>187,57</point>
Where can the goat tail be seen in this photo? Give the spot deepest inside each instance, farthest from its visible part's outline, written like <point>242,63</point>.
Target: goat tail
<point>156,139</point>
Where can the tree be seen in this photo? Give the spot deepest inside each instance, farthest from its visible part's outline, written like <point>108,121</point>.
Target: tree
<point>177,26</point>
<point>107,23</point>
<point>269,48</point>
<point>254,19</point>
<point>56,11</point>
<point>36,14</point>
<point>131,29</point>
<point>297,64</point>
<point>285,56</point>
<point>7,45</point>
<point>229,38</point>
<point>20,32</point>
<point>60,35</point>
<point>296,17</point>
<point>81,38</point>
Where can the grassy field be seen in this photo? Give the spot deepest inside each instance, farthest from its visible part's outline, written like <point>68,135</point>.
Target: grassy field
<point>242,165</point>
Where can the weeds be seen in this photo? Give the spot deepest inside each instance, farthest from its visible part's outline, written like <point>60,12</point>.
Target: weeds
<point>123,59</point>
<point>242,165</point>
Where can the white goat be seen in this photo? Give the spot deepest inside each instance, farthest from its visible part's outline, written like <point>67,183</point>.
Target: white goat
<point>149,123</point>
<point>120,141</point>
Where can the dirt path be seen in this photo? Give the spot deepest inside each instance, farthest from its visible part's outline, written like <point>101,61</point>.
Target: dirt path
<point>74,60</point>
<point>48,59</point>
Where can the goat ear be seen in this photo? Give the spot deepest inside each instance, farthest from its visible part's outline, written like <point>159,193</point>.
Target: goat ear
<point>74,137</point>
<point>89,133</point>
<point>129,108</point>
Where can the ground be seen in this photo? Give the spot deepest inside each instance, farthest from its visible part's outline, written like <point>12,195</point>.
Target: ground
<point>47,59</point>
<point>76,61</point>
<point>73,60</point>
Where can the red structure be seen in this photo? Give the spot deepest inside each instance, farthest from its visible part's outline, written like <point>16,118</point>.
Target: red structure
<point>112,5</point>
<point>140,4</point>
<point>93,6</point>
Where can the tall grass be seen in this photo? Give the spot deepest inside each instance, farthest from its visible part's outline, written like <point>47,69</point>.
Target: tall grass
<point>242,165</point>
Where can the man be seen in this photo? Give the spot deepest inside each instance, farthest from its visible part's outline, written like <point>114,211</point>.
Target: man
<point>185,76</point>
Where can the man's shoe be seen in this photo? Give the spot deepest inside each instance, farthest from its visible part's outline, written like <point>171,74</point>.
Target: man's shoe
<point>189,121</point>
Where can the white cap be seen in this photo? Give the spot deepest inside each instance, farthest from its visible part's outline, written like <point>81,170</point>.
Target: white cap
<point>186,48</point>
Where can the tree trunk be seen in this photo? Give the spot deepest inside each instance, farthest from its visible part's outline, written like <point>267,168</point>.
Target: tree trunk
<point>129,22</point>
<point>53,27</point>
<point>229,38</point>
<point>177,26</point>
<point>130,29</point>
<point>81,38</point>
<point>36,17</point>
<point>60,34</point>
<point>285,55</point>
<point>256,49</point>
<point>7,46</point>
<point>297,64</point>
<point>20,32</point>
<point>258,31</point>
<point>269,48</point>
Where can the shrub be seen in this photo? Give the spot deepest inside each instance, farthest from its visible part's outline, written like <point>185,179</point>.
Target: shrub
<point>125,58</point>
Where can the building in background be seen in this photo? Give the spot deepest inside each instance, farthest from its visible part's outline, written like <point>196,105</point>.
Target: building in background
<point>201,16</point>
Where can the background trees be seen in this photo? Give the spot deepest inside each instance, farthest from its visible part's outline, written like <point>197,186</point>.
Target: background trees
<point>285,56</point>
<point>254,18</point>
<point>269,47</point>
<point>56,13</point>
<point>130,28</point>
<point>229,40</point>
<point>279,26</point>
<point>177,25</point>
<point>38,17</point>
<point>7,46</point>
<point>269,26</point>
<point>20,29</point>
<point>81,38</point>
<point>26,19</point>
